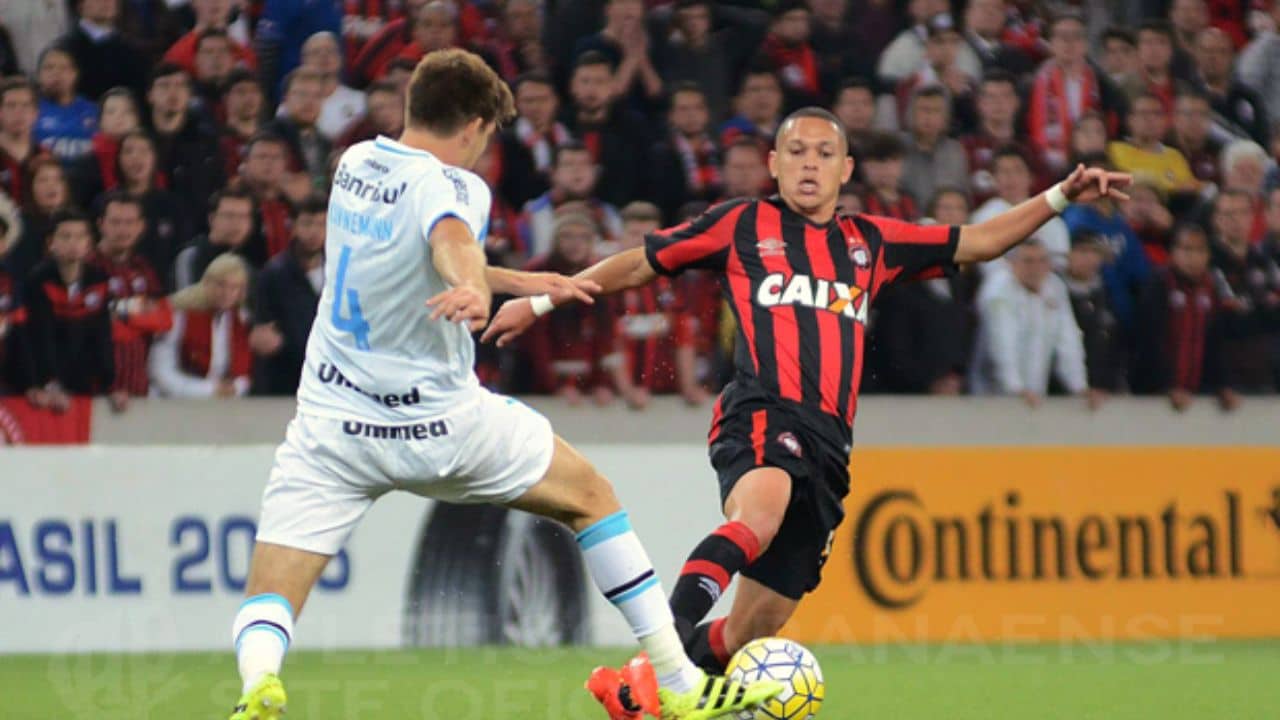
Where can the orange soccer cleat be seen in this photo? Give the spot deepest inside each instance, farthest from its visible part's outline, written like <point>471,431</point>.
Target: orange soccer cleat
<point>629,693</point>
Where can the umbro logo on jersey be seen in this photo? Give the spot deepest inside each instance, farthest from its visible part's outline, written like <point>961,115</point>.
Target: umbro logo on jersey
<point>771,247</point>
<point>837,297</point>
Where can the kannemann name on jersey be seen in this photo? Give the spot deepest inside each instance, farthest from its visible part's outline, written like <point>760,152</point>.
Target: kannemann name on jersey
<point>374,353</point>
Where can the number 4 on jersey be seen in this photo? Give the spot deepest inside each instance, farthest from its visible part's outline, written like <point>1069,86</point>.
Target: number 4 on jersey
<point>355,324</point>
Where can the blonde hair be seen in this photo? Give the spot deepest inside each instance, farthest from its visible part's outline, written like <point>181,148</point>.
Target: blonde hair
<point>198,296</point>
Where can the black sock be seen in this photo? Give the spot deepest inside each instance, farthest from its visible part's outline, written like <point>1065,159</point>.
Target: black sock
<point>707,573</point>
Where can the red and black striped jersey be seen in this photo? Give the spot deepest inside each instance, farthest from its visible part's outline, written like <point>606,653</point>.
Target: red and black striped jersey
<point>801,291</point>
<point>655,323</point>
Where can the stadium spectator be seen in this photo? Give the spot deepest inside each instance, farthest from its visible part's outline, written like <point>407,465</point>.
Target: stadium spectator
<point>283,27</point>
<point>1089,136</point>
<point>906,54</point>
<point>572,180</point>
<point>296,125</point>
<point>230,232</point>
<point>1026,332</point>
<point>855,104</point>
<point>68,329</point>
<point>984,26</point>
<point>18,145</point>
<point>117,116</point>
<point>517,47</point>
<point>1193,136</point>
<point>1156,74</point>
<point>709,44</point>
<point>1187,19</point>
<point>1063,90</point>
<point>921,332</point>
<point>1144,155</point>
<point>1259,65</point>
<point>503,244</point>
<point>383,46</point>
<point>745,172</point>
<point>265,174</point>
<point>997,106</point>
<point>167,224</point>
<point>615,136</point>
<point>1120,56</point>
<point>758,106</point>
<point>12,314</point>
<point>105,57</point>
<point>135,295</point>
<point>685,165</point>
<point>47,193</point>
<point>882,167</point>
<point>209,15</point>
<point>536,127</point>
<point>213,66</point>
<point>186,148</point>
<point>206,353</point>
<point>244,104</point>
<point>792,59</point>
<point>1012,178</point>
<point>385,115</point>
<point>287,293</point>
<point>1238,110</point>
<point>1103,351</point>
<point>655,330</point>
<point>573,351</point>
<point>65,122</point>
<point>941,48</point>
<point>435,27</point>
<point>363,20</point>
<point>932,160</point>
<point>1178,347</point>
<point>624,42</point>
<point>1249,283</point>
<point>833,30</point>
<point>1244,168</point>
<point>341,106</point>
<point>1127,267</point>
<point>1148,215</point>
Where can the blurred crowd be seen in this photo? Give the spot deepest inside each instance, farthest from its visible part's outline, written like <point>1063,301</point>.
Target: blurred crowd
<point>163,165</point>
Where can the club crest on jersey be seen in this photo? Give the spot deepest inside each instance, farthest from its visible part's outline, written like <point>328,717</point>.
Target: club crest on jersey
<point>860,256</point>
<point>837,297</point>
<point>771,247</point>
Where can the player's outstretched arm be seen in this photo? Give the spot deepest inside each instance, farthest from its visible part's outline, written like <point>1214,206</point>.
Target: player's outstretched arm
<point>561,289</point>
<point>627,269</point>
<point>991,239</point>
<point>460,261</point>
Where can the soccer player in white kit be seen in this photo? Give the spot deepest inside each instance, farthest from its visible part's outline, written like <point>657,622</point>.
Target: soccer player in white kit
<point>389,399</point>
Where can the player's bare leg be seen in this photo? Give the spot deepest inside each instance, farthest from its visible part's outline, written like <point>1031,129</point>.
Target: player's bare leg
<point>280,579</point>
<point>757,612</point>
<point>754,510</point>
<point>574,493</point>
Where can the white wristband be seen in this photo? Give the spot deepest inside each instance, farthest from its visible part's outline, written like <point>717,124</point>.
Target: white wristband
<point>541,304</point>
<point>1057,199</point>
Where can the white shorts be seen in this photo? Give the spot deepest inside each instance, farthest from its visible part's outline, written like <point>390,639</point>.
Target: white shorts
<point>328,472</point>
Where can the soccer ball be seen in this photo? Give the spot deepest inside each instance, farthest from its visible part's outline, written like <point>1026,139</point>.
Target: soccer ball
<point>789,663</point>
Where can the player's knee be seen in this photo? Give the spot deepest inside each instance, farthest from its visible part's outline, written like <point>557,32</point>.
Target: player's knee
<point>594,501</point>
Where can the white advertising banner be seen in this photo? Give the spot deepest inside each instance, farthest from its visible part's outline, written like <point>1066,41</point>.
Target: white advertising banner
<point>147,548</point>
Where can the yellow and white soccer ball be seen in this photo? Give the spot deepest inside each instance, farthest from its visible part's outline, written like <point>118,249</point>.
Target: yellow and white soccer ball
<point>789,663</point>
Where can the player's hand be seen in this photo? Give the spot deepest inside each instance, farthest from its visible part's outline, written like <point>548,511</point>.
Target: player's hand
<point>1031,399</point>
<point>638,398</point>
<point>462,304</point>
<point>513,318</point>
<point>562,289</point>
<point>1084,185</point>
<point>119,400</point>
<point>1228,399</point>
<point>265,340</point>
<point>1180,399</point>
<point>1095,398</point>
<point>38,397</point>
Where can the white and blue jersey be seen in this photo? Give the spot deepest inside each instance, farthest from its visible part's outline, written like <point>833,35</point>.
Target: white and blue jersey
<point>374,353</point>
<point>66,130</point>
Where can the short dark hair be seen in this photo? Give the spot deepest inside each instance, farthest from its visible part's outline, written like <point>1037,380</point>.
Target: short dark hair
<point>746,141</point>
<point>17,82</point>
<point>685,86</point>
<point>1183,228</point>
<point>1009,151</point>
<point>56,48</point>
<point>453,87</point>
<point>1121,33</point>
<point>571,146</point>
<point>1145,95</point>
<point>856,82</point>
<point>1158,26</point>
<point>941,192</point>
<point>164,70</point>
<point>400,63</point>
<point>241,75</point>
<point>816,112</point>
<point>1061,17</point>
<point>592,57</point>
<point>537,77</point>
<point>116,92</point>
<point>929,91</point>
<point>66,215</point>
<point>1094,159</point>
<point>299,74</point>
<point>999,76</point>
<point>119,197</point>
<point>267,136</point>
<point>212,32</point>
<point>315,203</point>
<point>883,146</point>
<point>235,191</point>
<point>757,67</point>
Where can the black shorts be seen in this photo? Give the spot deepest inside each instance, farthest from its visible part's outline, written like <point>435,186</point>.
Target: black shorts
<point>752,431</point>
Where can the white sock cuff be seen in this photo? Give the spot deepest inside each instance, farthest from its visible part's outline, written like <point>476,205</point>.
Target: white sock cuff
<point>264,613</point>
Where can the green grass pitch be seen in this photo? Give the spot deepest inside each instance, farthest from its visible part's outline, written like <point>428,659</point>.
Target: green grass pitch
<point>1164,680</point>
